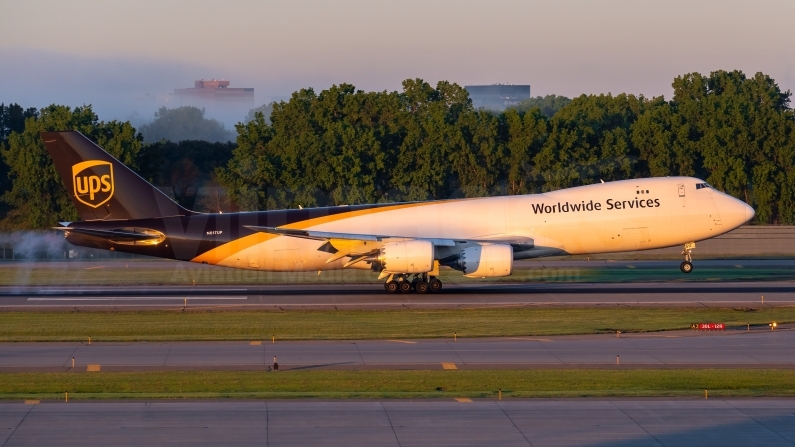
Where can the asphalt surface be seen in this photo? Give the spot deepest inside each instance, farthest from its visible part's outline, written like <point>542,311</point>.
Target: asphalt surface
<point>515,422</point>
<point>759,348</point>
<point>290,295</point>
<point>368,296</point>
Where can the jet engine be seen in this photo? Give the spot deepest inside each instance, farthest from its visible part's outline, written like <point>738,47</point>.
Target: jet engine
<point>486,261</point>
<point>406,257</point>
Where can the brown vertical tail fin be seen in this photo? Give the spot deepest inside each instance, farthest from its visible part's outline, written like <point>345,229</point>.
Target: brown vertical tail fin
<point>101,187</point>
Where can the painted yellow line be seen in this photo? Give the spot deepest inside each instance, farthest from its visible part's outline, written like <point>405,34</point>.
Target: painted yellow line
<point>255,343</point>
<point>449,366</point>
<point>403,341</point>
<point>530,339</point>
<point>92,368</point>
<point>31,402</point>
<point>463,399</point>
<point>92,268</point>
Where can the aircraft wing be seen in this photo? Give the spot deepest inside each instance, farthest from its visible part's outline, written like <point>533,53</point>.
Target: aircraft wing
<point>360,246</point>
<point>327,236</point>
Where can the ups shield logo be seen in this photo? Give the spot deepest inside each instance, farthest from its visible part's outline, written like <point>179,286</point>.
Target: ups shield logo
<point>93,182</point>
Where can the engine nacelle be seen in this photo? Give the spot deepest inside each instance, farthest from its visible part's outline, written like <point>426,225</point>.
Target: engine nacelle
<point>486,261</point>
<point>406,257</point>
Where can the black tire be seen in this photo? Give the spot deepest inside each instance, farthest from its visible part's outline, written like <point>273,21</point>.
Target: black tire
<point>435,285</point>
<point>405,286</point>
<point>686,267</point>
<point>422,287</point>
<point>391,286</point>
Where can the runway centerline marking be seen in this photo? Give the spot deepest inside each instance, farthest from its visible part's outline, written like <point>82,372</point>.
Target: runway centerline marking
<point>147,298</point>
<point>142,289</point>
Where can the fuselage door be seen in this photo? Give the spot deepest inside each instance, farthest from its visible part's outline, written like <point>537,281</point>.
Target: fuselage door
<point>253,259</point>
<point>681,190</point>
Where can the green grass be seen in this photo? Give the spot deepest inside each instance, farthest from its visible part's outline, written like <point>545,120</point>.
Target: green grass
<point>184,273</point>
<point>400,384</point>
<point>354,324</point>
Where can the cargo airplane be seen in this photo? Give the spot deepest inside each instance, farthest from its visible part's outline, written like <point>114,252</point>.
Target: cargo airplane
<point>404,243</point>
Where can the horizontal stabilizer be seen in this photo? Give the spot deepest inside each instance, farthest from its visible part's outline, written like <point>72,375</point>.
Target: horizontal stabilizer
<point>118,236</point>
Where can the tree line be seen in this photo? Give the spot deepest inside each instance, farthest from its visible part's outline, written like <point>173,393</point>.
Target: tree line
<point>348,146</point>
<point>344,145</point>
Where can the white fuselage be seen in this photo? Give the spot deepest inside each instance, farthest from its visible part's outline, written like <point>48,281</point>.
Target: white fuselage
<point>620,216</point>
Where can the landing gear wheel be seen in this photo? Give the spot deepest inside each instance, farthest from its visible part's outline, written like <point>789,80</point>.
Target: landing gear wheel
<point>686,267</point>
<point>405,286</point>
<point>391,286</point>
<point>422,287</point>
<point>435,285</point>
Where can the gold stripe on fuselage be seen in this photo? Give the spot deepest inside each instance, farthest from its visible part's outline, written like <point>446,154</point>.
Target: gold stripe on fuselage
<point>229,249</point>
<point>218,254</point>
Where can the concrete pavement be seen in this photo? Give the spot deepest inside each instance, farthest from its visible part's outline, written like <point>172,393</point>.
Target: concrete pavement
<point>514,422</point>
<point>760,348</point>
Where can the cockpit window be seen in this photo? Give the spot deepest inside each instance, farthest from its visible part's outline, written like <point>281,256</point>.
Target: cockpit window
<point>703,185</point>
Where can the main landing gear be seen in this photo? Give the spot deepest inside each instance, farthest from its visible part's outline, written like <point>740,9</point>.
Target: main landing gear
<point>687,266</point>
<point>420,283</point>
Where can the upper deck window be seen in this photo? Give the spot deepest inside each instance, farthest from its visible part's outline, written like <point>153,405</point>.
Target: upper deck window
<point>703,185</point>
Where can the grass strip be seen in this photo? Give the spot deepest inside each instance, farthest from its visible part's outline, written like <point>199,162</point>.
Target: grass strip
<point>361,324</point>
<point>400,384</point>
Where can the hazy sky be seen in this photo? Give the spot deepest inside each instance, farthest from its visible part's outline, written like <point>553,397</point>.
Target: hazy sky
<point>109,52</point>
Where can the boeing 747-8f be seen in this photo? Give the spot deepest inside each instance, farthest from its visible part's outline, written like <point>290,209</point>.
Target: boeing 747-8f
<point>404,243</point>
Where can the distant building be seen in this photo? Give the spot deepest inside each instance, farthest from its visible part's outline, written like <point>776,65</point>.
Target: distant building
<point>497,96</point>
<point>212,90</point>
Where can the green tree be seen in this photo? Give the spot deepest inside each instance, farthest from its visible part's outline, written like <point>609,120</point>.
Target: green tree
<point>38,196</point>
<point>12,119</point>
<point>525,134</point>
<point>662,138</point>
<point>734,131</point>
<point>479,159</point>
<point>428,125</point>
<point>589,140</point>
<point>184,167</point>
<point>184,123</point>
<point>265,110</point>
<point>346,146</point>
<point>549,105</point>
<point>740,131</point>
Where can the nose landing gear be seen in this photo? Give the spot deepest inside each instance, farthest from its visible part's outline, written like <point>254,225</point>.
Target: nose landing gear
<point>687,265</point>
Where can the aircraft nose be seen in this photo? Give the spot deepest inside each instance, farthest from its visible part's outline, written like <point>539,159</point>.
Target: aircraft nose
<point>733,212</point>
<point>749,212</point>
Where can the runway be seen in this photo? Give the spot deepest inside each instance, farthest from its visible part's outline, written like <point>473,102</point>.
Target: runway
<point>759,348</point>
<point>515,422</point>
<point>373,296</point>
<point>737,282</point>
